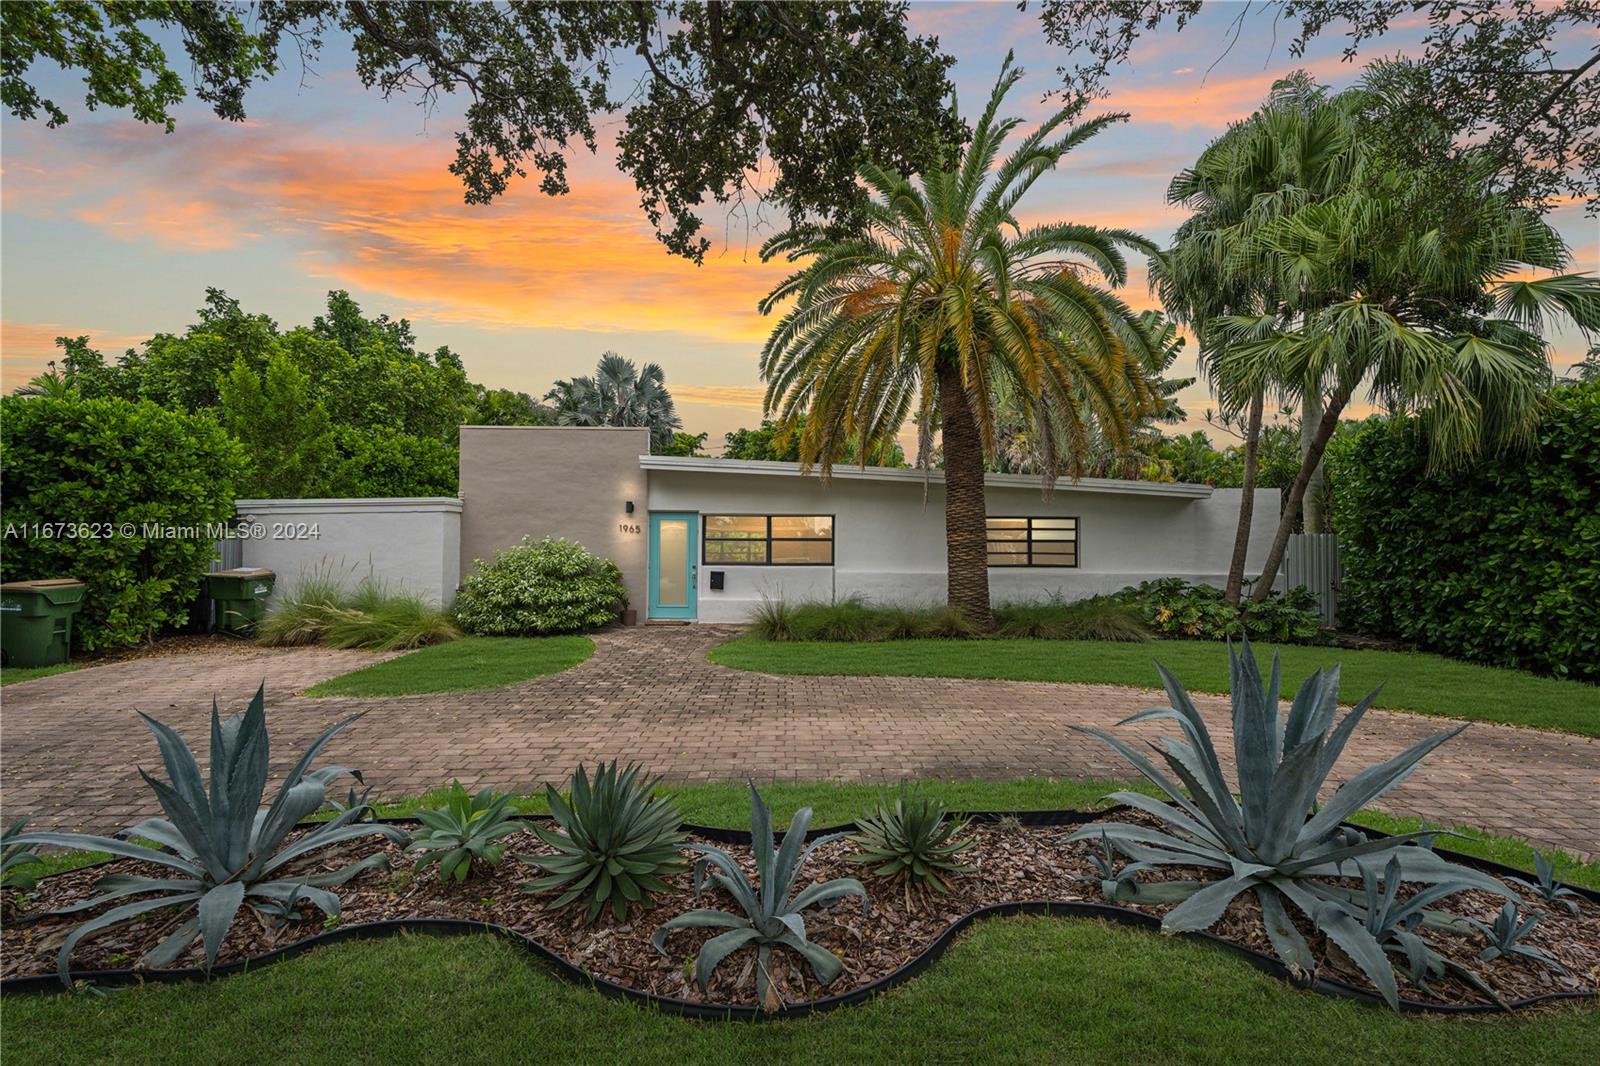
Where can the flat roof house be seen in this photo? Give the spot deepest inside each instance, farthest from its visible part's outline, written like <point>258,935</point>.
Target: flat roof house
<point>707,539</point>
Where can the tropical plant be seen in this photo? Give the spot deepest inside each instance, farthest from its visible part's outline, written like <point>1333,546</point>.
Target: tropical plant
<point>52,382</point>
<point>463,831</point>
<point>914,843</point>
<point>618,840</point>
<point>1505,936</point>
<point>225,848</point>
<point>1057,618</point>
<point>1546,886</point>
<point>1272,840</point>
<point>1117,882</point>
<point>319,609</point>
<point>1172,607</point>
<point>941,298</point>
<point>17,860</point>
<point>771,914</point>
<point>619,394</point>
<point>538,587</point>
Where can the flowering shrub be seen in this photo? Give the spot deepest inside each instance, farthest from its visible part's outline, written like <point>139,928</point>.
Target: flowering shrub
<point>1175,608</point>
<point>541,586</point>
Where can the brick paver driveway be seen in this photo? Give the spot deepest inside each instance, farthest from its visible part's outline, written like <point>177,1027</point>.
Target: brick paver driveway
<point>69,743</point>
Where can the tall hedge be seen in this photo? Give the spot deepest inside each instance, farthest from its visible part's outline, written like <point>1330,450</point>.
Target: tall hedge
<point>109,469</point>
<point>1498,563</point>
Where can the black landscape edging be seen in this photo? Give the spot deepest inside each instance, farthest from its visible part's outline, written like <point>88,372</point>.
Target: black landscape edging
<point>39,983</point>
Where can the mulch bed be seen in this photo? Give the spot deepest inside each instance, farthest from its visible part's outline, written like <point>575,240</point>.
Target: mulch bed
<point>1013,864</point>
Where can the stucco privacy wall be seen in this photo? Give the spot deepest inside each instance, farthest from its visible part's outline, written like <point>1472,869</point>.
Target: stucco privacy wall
<point>409,543</point>
<point>557,481</point>
<point>889,544</point>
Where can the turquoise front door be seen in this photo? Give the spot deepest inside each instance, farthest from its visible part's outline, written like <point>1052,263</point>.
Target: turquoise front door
<point>674,544</point>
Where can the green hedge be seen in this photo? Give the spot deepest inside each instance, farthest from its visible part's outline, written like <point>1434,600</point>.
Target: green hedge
<point>1498,563</point>
<point>107,467</point>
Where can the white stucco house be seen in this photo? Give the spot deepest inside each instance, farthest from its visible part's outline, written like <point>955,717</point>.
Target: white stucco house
<point>707,539</point>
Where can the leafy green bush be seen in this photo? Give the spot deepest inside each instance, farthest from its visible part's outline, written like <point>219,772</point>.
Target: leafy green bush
<point>109,466</point>
<point>320,610</point>
<point>1174,608</point>
<point>1498,563</point>
<point>541,586</point>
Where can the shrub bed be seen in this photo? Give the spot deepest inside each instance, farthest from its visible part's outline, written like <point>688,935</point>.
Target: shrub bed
<point>320,610</point>
<point>124,497</point>
<point>1172,607</point>
<point>539,587</point>
<point>855,620</point>
<point>1497,563</point>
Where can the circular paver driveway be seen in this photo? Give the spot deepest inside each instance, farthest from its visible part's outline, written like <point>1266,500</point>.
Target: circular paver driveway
<point>69,743</point>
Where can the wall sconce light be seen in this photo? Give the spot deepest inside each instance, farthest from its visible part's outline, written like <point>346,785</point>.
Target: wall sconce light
<point>628,507</point>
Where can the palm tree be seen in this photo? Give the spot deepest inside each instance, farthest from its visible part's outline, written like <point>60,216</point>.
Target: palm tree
<point>52,383</point>
<point>1298,149</point>
<point>944,299</point>
<point>1407,268</point>
<point>619,394</point>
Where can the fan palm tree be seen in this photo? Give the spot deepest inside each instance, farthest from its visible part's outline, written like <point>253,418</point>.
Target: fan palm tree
<point>52,383</point>
<point>1298,149</point>
<point>945,298</point>
<point>619,394</point>
<point>1411,272</point>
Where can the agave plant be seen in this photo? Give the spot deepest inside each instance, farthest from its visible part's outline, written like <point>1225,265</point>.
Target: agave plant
<point>1117,883</point>
<point>462,832</point>
<point>1546,886</point>
<point>225,849</point>
<point>1272,839</point>
<point>913,843</point>
<point>618,841</point>
<point>771,914</point>
<point>17,860</point>
<point>1505,936</point>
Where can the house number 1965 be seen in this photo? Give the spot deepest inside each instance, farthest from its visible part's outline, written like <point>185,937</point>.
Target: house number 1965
<point>627,527</point>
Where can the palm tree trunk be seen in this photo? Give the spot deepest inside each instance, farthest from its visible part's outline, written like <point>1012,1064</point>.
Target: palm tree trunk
<point>1310,422</point>
<point>965,529</point>
<point>1247,500</point>
<point>1297,492</point>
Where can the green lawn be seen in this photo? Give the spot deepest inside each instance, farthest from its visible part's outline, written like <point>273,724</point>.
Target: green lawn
<point>1015,990</point>
<point>460,666</point>
<point>1427,684</point>
<point>13,675</point>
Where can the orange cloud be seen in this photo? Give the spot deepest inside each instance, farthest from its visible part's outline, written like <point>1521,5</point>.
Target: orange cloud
<point>1209,102</point>
<point>739,396</point>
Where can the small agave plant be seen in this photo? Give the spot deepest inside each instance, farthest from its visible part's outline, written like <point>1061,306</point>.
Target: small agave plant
<point>1506,934</point>
<point>912,842</point>
<point>772,914</point>
<point>1273,840</point>
<point>18,862</point>
<point>225,850</point>
<point>1546,886</point>
<point>463,832</point>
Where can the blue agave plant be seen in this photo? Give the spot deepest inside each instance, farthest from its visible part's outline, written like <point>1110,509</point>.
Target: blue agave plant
<point>224,850</point>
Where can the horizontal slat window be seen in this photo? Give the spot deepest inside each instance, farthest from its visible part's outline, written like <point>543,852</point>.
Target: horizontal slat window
<point>1040,541</point>
<point>768,540</point>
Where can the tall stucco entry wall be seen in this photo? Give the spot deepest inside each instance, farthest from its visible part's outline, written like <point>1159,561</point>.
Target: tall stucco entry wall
<point>557,481</point>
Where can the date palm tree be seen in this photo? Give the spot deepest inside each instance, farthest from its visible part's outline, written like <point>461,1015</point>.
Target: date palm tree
<point>619,394</point>
<point>945,298</point>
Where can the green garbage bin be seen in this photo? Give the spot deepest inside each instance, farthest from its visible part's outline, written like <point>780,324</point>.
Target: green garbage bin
<point>241,597</point>
<point>36,620</point>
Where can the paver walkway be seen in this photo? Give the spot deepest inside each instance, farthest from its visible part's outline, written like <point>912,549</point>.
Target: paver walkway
<point>69,743</point>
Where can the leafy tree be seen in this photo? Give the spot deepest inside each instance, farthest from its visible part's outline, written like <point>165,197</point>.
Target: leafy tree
<point>1496,72</point>
<point>504,407</point>
<point>285,433</point>
<point>120,464</point>
<point>186,371</point>
<point>777,444</point>
<point>377,462</point>
<point>1409,269</point>
<point>686,444</point>
<point>942,297</point>
<point>619,394</point>
<point>711,94</point>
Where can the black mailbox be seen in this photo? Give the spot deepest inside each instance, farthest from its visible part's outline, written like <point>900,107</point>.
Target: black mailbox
<point>716,580</point>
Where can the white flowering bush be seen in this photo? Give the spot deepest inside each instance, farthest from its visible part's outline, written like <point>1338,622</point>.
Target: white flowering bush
<point>541,586</point>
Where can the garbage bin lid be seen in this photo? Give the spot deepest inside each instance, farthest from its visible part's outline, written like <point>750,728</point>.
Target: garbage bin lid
<point>243,571</point>
<point>41,584</point>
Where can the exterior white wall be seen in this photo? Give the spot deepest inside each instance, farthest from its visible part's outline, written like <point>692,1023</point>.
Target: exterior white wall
<point>889,545</point>
<point>413,544</point>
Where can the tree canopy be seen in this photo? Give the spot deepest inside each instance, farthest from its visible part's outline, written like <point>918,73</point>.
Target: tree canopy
<point>711,95</point>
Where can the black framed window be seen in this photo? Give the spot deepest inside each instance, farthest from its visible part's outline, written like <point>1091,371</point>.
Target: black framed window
<point>1033,541</point>
<point>767,540</point>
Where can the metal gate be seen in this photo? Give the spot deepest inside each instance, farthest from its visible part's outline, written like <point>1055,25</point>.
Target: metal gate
<point>1313,561</point>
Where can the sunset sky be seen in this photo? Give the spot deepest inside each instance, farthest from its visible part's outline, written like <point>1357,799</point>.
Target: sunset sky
<point>114,229</point>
